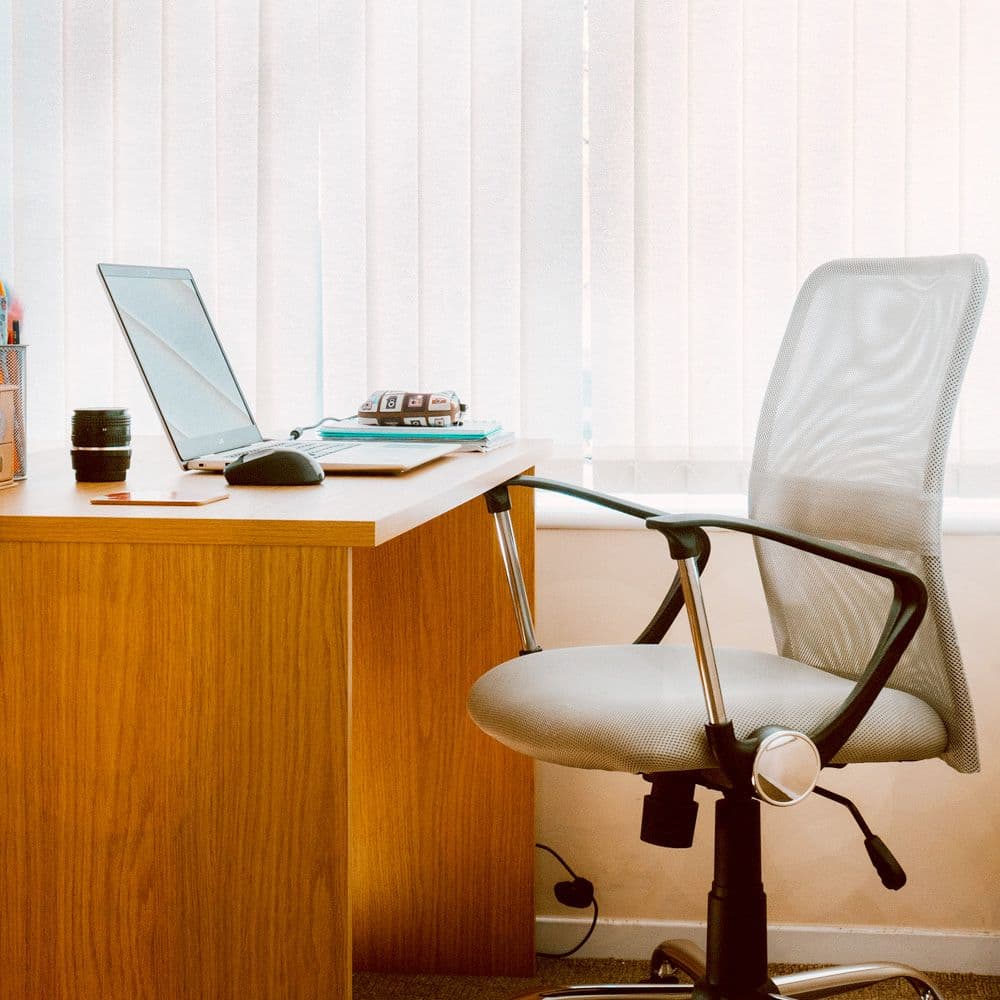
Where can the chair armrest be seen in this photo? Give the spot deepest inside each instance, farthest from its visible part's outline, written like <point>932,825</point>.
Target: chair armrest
<point>582,493</point>
<point>909,601</point>
<point>673,600</point>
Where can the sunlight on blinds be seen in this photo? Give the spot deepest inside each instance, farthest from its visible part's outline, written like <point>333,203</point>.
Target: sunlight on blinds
<point>588,217</point>
<point>733,148</point>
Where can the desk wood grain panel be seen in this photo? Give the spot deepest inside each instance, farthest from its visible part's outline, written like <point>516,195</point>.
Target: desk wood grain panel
<point>436,803</point>
<point>173,774</point>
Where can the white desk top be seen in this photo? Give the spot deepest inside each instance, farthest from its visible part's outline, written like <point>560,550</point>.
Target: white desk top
<point>344,510</point>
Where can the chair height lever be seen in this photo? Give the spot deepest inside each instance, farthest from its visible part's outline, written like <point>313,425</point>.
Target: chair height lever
<point>889,870</point>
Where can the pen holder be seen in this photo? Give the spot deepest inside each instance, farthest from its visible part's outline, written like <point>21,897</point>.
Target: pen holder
<point>13,435</point>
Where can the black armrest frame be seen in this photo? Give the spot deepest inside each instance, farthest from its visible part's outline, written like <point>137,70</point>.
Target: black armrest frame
<point>906,610</point>
<point>498,499</point>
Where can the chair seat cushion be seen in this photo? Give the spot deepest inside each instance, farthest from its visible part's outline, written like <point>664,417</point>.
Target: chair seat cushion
<point>641,709</point>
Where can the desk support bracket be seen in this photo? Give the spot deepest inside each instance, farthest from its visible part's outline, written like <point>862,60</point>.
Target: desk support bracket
<point>498,503</point>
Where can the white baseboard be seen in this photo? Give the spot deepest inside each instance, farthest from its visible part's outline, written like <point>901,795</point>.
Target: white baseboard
<point>928,950</point>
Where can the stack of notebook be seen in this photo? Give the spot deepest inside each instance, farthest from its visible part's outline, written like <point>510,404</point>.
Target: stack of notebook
<point>472,435</point>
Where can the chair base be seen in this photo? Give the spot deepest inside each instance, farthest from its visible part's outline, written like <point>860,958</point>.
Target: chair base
<point>734,965</point>
<point>844,978</point>
<point>686,957</point>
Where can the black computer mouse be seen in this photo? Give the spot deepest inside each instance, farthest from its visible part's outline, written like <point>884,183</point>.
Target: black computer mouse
<point>274,467</point>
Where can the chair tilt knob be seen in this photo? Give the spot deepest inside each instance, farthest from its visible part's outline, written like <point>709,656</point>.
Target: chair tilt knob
<point>785,767</point>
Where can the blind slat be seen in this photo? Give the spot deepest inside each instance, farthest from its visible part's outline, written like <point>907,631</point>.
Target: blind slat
<point>661,245</point>
<point>138,179</point>
<point>38,261</point>
<point>289,383</point>
<point>445,206</point>
<point>879,219</point>
<point>611,85</point>
<point>343,206</point>
<point>552,244</point>
<point>715,129</point>
<point>770,178</point>
<point>89,205</point>
<point>932,124</point>
<point>189,140</point>
<point>237,101</point>
<point>495,309</point>
<point>6,128</point>
<point>979,220</point>
<point>393,276</point>
<point>826,131</point>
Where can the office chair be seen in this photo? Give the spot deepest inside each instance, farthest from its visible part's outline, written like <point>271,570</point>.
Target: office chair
<point>845,512</point>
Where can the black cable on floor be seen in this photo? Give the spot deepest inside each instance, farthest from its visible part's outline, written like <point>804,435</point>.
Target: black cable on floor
<point>578,893</point>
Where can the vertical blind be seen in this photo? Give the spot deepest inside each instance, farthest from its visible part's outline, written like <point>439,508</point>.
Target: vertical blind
<point>589,217</point>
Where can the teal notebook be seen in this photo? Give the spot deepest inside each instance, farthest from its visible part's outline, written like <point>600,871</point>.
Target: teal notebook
<point>471,430</point>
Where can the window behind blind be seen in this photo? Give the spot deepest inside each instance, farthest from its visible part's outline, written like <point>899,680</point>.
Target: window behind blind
<point>589,218</point>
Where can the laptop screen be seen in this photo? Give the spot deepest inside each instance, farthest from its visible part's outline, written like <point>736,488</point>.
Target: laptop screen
<point>180,358</point>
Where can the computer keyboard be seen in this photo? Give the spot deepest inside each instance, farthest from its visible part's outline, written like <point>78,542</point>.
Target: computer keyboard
<point>318,449</point>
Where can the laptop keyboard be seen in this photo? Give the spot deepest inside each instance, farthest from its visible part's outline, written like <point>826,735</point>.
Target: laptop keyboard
<point>318,449</point>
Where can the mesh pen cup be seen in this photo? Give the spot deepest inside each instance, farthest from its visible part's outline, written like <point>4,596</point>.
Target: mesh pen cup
<point>13,437</point>
<point>102,444</point>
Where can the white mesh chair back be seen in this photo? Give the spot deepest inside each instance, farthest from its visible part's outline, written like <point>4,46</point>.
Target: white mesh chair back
<point>851,447</point>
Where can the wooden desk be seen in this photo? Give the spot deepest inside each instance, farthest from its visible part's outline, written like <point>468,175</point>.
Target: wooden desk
<point>231,733</point>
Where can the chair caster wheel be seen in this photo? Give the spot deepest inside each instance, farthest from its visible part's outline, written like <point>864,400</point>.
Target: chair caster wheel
<point>676,962</point>
<point>661,969</point>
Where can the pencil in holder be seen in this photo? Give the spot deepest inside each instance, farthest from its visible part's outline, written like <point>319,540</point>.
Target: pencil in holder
<point>13,436</point>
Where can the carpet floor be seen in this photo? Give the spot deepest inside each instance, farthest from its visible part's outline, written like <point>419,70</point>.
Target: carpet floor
<point>389,986</point>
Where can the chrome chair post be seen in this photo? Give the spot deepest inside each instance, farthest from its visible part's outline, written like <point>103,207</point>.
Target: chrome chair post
<point>704,652</point>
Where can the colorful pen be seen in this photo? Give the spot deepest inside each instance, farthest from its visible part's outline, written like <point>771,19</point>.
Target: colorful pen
<point>15,312</point>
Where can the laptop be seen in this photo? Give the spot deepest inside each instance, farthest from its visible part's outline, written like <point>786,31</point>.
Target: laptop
<point>194,389</point>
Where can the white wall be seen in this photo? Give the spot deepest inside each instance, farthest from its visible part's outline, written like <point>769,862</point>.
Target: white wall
<point>596,586</point>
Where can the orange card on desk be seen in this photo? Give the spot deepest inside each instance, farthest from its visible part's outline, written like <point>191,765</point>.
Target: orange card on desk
<point>165,498</point>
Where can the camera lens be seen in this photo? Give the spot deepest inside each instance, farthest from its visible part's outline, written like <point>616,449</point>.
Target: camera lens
<point>101,444</point>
